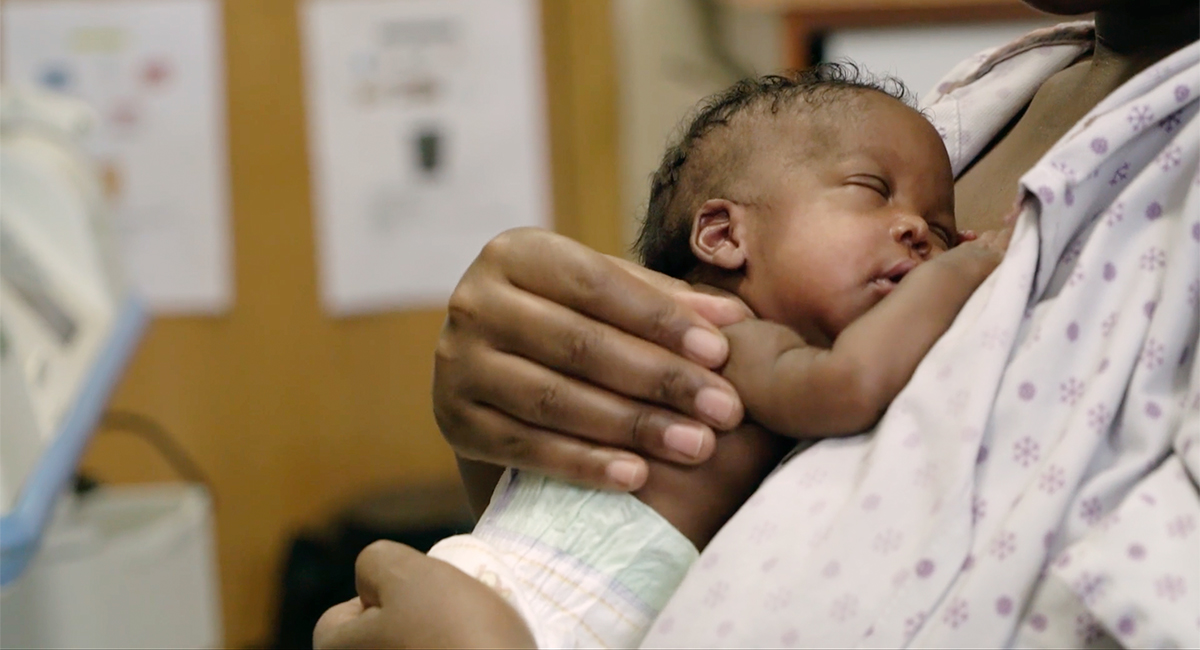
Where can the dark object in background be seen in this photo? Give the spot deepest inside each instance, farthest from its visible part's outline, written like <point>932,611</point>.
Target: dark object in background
<point>318,572</point>
<point>428,143</point>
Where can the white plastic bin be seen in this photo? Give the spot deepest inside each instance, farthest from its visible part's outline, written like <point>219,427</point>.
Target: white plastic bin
<point>121,567</point>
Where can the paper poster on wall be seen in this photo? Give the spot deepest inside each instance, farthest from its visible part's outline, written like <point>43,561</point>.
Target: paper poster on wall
<point>427,137</point>
<point>153,72</point>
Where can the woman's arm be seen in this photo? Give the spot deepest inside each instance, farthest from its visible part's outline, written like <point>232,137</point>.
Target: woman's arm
<point>555,358</point>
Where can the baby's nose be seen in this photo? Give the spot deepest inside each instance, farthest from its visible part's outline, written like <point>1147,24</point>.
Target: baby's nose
<point>912,230</point>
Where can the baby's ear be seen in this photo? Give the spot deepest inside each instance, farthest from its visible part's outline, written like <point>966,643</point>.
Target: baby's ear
<point>718,230</point>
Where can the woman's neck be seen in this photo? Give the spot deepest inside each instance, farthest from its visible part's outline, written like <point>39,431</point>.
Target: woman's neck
<point>1131,39</point>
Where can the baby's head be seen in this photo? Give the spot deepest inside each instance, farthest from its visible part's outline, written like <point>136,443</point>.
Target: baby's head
<point>809,196</point>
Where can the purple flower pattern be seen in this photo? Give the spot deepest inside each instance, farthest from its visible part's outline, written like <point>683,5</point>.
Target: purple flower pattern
<point>978,509</point>
<point>1089,588</point>
<point>1153,259</point>
<point>1120,175</point>
<point>1052,480</point>
<point>1181,526</point>
<point>1171,122</point>
<point>1071,390</point>
<point>1109,322</point>
<point>1099,417</point>
<point>1088,629</point>
<point>778,599</point>
<point>1153,354</point>
<point>1171,158</point>
<point>1026,451</point>
<point>956,614</point>
<point>763,532</point>
<point>1114,214</point>
<point>1170,587</point>
<point>1140,116</point>
<point>1091,510</point>
<point>1026,391</point>
<point>1003,545</point>
<point>844,607</point>
<point>994,338</point>
<point>913,624</point>
<point>716,593</point>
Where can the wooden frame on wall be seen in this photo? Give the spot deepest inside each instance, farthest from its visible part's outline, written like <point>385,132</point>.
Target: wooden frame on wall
<point>805,20</point>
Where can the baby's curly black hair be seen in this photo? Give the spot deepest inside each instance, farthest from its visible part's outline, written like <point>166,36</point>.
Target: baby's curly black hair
<point>663,240</point>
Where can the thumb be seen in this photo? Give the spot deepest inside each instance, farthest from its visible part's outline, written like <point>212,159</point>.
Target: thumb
<point>375,568</point>
<point>720,310</point>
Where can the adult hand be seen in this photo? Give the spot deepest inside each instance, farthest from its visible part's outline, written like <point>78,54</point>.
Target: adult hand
<point>559,359</point>
<point>408,600</point>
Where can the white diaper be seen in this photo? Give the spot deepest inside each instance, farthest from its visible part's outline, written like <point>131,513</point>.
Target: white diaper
<point>585,568</point>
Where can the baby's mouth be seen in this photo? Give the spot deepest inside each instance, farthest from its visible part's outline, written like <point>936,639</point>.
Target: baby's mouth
<point>893,275</point>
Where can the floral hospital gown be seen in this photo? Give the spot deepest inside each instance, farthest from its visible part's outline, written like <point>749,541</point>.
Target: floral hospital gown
<point>1036,483</point>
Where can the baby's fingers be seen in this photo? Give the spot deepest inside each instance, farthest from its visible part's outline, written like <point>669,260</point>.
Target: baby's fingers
<point>996,240</point>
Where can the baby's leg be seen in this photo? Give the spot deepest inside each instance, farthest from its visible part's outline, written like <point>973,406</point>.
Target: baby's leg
<point>699,500</point>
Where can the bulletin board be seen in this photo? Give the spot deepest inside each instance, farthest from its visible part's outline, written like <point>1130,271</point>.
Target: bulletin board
<point>292,413</point>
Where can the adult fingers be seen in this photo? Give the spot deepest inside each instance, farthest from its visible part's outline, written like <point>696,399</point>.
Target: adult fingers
<point>575,460</point>
<point>614,360</point>
<point>593,284</point>
<point>413,601</point>
<point>547,399</point>
<point>626,345</point>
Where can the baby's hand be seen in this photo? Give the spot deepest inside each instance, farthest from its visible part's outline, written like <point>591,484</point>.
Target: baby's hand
<point>979,253</point>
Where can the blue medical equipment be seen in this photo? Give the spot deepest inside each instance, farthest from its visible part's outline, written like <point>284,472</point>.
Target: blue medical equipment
<point>67,325</point>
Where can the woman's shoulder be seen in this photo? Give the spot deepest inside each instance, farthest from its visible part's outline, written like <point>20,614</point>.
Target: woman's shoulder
<point>1078,36</point>
<point>982,94</point>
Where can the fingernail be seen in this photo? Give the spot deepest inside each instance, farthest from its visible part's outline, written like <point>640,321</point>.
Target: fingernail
<point>704,345</point>
<point>716,404</point>
<point>685,439</point>
<point>625,473</point>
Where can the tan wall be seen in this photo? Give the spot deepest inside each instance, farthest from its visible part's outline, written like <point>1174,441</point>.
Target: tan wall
<point>290,412</point>
<point>666,64</point>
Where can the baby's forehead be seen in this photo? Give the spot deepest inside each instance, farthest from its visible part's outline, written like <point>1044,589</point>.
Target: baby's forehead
<point>837,122</point>
<point>831,113</point>
<point>787,138</point>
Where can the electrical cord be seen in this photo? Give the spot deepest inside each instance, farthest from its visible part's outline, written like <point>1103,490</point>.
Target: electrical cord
<point>158,437</point>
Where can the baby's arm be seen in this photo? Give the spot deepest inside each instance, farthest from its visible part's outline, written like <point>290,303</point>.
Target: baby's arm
<point>801,391</point>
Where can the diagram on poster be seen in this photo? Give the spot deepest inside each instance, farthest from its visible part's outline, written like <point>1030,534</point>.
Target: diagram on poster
<point>152,70</point>
<point>427,138</point>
